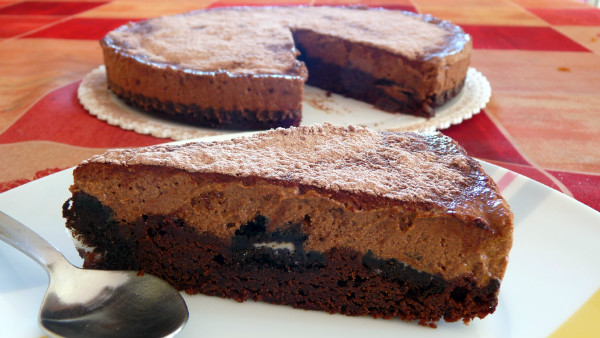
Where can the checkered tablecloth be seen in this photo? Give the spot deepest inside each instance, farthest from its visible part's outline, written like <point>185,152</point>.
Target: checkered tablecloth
<point>542,58</point>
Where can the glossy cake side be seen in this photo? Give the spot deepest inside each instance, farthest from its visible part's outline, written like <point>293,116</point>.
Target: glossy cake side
<point>197,216</point>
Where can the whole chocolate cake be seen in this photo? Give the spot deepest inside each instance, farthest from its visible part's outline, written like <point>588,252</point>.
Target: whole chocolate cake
<point>245,68</point>
<point>338,219</point>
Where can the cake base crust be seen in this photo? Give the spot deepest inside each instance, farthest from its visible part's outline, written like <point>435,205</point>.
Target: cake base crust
<point>339,280</point>
<point>209,116</point>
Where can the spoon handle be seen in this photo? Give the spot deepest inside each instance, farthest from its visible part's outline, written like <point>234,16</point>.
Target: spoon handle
<point>26,240</point>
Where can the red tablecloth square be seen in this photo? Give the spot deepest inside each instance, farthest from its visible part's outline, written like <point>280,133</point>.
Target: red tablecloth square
<point>12,26</point>
<point>49,8</point>
<point>522,38</point>
<point>496,147</point>
<point>59,117</point>
<point>81,28</point>
<point>568,16</point>
<point>584,187</point>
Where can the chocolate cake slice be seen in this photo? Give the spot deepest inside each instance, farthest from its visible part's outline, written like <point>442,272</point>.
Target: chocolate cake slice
<point>339,219</point>
<point>238,67</point>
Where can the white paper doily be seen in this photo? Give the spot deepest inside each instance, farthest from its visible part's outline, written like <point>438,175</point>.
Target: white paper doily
<point>317,107</point>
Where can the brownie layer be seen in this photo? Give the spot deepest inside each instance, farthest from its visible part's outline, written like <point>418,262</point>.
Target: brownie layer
<point>272,266</point>
<point>212,117</point>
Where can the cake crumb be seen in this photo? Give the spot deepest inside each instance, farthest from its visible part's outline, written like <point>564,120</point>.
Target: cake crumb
<point>423,322</point>
<point>564,69</point>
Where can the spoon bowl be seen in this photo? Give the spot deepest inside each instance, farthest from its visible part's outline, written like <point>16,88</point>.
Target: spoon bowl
<point>96,303</point>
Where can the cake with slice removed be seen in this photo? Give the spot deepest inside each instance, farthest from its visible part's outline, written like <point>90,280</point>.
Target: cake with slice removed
<point>245,68</point>
<point>339,219</point>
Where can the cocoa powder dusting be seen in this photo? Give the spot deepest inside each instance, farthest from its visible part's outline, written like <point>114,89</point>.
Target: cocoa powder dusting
<point>400,166</point>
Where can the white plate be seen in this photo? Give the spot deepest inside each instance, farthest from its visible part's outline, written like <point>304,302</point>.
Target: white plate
<point>553,270</point>
<point>317,107</point>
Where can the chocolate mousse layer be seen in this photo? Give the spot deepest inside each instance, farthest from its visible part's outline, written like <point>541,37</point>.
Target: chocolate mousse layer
<point>367,213</point>
<point>237,67</point>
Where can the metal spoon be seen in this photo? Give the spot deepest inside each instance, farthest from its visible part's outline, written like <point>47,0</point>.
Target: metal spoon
<point>94,303</point>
